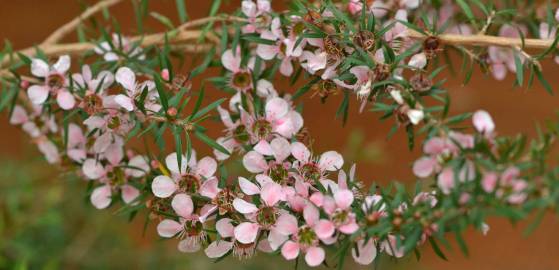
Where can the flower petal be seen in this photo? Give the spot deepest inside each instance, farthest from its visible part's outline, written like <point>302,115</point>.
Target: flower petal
<point>218,248</point>
<point>101,197</point>
<point>182,204</point>
<point>38,94</point>
<point>244,207</point>
<point>163,186</point>
<point>331,161</point>
<point>246,232</point>
<point>290,250</point>
<point>248,187</point>
<point>168,228</point>
<point>315,256</point>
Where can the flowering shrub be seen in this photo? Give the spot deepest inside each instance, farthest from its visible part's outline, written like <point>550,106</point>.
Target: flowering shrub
<point>291,200</point>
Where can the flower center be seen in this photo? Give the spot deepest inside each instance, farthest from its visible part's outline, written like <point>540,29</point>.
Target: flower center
<point>262,129</point>
<point>298,28</point>
<point>341,217</point>
<point>242,80</point>
<point>92,104</point>
<point>243,251</point>
<point>189,183</point>
<point>278,173</point>
<point>193,228</point>
<point>311,173</point>
<point>240,134</point>
<point>114,122</point>
<point>266,217</point>
<point>307,237</point>
<point>224,201</point>
<point>55,81</point>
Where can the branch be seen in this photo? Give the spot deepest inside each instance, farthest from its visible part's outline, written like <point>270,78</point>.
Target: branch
<point>61,32</point>
<point>485,40</point>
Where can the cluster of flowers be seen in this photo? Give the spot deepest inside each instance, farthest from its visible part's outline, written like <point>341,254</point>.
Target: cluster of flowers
<point>289,203</point>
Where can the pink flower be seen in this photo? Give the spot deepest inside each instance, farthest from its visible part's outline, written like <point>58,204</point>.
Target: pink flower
<point>277,169</point>
<point>219,248</point>
<point>483,122</point>
<point>188,227</point>
<point>76,146</point>
<point>56,83</point>
<point>261,218</point>
<point>502,59</point>
<point>284,48</point>
<point>311,171</point>
<point>339,210</point>
<point>186,178</point>
<point>306,238</point>
<point>253,12</point>
<point>120,45</point>
<point>279,118</point>
<point>241,78</point>
<point>126,77</point>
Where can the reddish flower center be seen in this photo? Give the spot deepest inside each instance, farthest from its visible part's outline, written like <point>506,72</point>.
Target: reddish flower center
<point>189,183</point>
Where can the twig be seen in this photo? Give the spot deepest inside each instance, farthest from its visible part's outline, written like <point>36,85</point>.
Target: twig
<point>61,32</point>
<point>486,40</point>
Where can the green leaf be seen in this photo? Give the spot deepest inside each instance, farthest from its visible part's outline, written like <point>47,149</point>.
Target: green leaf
<point>210,142</point>
<point>519,70</point>
<point>437,249</point>
<point>257,39</point>
<point>543,81</point>
<point>468,11</point>
<point>305,88</point>
<point>178,144</point>
<point>161,91</point>
<point>163,19</point>
<point>181,8</point>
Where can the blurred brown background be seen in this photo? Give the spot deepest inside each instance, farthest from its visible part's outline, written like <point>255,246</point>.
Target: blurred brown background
<point>27,22</point>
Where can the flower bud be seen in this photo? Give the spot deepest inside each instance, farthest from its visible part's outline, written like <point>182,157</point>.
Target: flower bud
<point>165,75</point>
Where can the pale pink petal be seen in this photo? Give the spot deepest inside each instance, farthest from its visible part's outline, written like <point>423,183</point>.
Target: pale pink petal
<point>231,62</point>
<point>483,122</point>
<point>172,163</point>
<point>182,204</point>
<point>264,148</point>
<point>168,228</point>
<point>286,67</point>
<point>188,246</point>
<point>254,162</point>
<point>125,102</point>
<point>244,207</point>
<point>424,167</point>
<point>101,197</point>
<point>300,151</point>
<point>286,224</point>
<point>349,228</point>
<point>63,64</point>
<point>126,77</point>
<point>267,52</point>
<point>224,227</point>
<point>163,186</point>
<point>311,215</point>
<point>315,256</point>
<point>489,182</point>
<point>246,232</point>
<point>276,239</point>
<point>19,116</point>
<point>39,68</point>
<point>210,188</point>
<point>139,166</point>
<point>93,169</point>
<point>317,198</point>
<point>418,61</point>
<point>343,198</point>
<point>206,167</point>
<point>218,249</point>
<point>324,229</point>
<point>445,180</point>
<point>331,161</point>
<point>290,250</point>
<point>276,108</point>
<point>281,148</point>
<point>248,187</point>
<point>366,252</point>
<point>38,94</point>
<point>129,193</point>
<point>271,194</point>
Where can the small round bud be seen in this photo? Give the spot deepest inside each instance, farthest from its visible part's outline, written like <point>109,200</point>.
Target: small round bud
<point>24,84</point>
<point>172,112</point>
<point>165,75</point>
<point>154,164</point>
